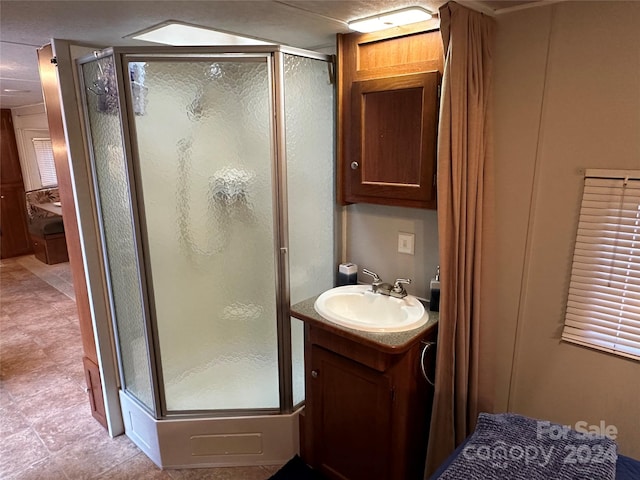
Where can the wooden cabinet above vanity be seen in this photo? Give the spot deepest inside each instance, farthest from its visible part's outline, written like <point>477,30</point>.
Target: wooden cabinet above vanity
<point>388,89</point>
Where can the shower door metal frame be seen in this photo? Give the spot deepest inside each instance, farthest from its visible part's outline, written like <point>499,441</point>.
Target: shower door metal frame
<point>169,54</point>
<point>274,57</point>
<point>131,187</point>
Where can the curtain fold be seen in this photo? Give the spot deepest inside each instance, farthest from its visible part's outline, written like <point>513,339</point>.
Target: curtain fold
<point>464,154</point>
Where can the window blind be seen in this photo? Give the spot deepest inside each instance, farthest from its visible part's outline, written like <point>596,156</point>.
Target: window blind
<point>603,306</point>
<point>46,164</point>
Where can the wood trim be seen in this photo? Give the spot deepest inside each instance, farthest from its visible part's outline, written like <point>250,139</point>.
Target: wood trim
<point>53,103</point>
<point>50,89</point>
<point>363,354</point>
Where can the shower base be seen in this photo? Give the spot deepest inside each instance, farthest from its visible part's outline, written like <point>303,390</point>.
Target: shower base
<point>239,383</point>
<point>212,442</point>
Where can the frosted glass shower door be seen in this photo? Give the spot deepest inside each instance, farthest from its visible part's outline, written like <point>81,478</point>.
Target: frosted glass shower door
<point>111,177</point>
<point>308,100</point>
<point>202,129</point>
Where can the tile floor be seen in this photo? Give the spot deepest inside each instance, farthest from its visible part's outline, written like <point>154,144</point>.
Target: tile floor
<point>46,428</point>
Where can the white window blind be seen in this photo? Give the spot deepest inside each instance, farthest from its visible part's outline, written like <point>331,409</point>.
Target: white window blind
<point>603,308</point>
<point>46,164</point>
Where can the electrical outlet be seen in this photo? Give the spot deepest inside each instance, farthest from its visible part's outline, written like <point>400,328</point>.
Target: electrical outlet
<point>406,242</point>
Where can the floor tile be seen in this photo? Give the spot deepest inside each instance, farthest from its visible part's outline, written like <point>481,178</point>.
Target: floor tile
<point>12,419</point>
<point>31,304</point>
<point>47,469</point>
<point>71,426</point>
<point>223,473</point>
<point>65,335</point>
<point>95,454</point>
<point>40,377</point>
<point>136,468</point>
<point>19,451</point>
<point>271,469</point>
<point>53,401</point>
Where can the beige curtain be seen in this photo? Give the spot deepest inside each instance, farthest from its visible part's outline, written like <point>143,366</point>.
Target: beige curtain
<point>463,159</point>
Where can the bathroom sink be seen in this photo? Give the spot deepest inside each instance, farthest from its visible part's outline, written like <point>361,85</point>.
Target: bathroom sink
<point>357,307</point>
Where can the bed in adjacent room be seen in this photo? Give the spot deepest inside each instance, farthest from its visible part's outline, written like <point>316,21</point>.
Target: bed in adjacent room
<point>514,447</point>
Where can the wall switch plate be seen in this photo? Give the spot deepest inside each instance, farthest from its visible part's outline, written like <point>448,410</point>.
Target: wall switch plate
<point>406,242</point>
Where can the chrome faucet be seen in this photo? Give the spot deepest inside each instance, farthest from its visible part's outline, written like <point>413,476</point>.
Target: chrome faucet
<point>377,281</point>
<point>398,290</point>
<point>378,286</point>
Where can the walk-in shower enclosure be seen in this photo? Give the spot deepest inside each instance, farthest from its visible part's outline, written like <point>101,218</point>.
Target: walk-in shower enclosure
<point>213,172</point>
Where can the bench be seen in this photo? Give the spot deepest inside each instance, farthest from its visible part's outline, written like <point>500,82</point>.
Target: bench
<point>46,228</point>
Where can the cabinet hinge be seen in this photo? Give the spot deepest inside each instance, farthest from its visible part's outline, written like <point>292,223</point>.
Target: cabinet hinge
<point>54,61</point>
<point>435,179</point>
<point>393,394</point>
<point>439,90</point>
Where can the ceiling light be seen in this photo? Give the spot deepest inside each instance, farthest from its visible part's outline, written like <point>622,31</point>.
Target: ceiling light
<point>175,33</point>
<point>396,18</point>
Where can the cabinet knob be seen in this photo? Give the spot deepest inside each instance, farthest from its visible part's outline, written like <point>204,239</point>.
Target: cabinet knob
<point>354,165</point>
<point>315,373</point>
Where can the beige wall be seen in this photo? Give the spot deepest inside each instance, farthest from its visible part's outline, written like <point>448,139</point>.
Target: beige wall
<point>371,233</point>
<point>567,97</point>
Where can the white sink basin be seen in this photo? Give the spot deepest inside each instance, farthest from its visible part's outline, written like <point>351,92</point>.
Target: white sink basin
<point>357,307</point>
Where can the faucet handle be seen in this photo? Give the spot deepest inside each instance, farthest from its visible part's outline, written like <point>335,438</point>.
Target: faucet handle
<point>375,276</point>
<point>397,285</point>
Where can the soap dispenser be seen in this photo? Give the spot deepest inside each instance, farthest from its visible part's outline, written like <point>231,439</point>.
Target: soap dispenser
<point>434,299</point>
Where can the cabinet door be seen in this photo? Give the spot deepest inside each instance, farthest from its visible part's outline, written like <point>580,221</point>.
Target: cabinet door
<point>10,173</point>
<point>393,142</point>
<point>14,233</point>
<point>350,407</point>
<point>94,389</point>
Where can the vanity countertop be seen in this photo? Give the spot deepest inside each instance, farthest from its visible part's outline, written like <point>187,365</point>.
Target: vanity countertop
<point>392,342</point>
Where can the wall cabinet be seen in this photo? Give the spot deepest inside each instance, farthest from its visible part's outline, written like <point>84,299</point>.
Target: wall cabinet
<point>14,231</point>
<point>367,411</point>
<point>388,91</point>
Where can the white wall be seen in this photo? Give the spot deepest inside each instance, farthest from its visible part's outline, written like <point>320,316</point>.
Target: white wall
<point>29,122</point>
<point>567,97</point>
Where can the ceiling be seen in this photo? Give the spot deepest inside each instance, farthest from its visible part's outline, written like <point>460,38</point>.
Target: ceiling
<point>26,25</point>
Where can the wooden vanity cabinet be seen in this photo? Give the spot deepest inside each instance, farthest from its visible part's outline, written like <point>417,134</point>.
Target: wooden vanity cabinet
<point>388,97</point>
<point>367,411</point>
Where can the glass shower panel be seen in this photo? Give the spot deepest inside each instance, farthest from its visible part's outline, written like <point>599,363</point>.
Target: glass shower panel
<point>308,98</point>
<point>203,137</point>
<point>111,178</point>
